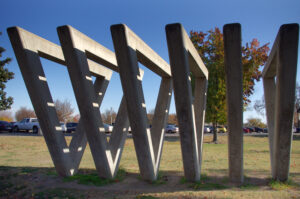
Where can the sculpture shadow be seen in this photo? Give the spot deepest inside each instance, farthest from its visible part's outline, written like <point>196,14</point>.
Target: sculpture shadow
<point>16,181</point>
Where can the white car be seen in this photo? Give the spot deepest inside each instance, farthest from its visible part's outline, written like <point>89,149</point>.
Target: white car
<point>63,127</point>
<point>171,128</point>
<point>27,124</point>
<point>108,128</point>
<point>206,129</point>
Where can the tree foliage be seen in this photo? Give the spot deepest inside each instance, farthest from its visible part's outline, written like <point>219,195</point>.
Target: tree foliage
<point>211,49</point>
<point>24,112</point>
<point>255,122</point>
<point>172,119</point>
<point>6,116</point>
<point>5,75</point>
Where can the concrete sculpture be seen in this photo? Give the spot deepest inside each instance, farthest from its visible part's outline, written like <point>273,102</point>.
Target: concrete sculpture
<point>280,97</point>
<point>28,49</point>
<point>190,109</point>
<point>85,58</point>
<point>148,142</point>
<point>234,99</point>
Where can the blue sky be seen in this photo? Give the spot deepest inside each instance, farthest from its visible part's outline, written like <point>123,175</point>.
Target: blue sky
<point>259,19</point>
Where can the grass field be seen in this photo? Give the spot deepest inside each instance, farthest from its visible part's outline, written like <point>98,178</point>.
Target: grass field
<point>26,171</point>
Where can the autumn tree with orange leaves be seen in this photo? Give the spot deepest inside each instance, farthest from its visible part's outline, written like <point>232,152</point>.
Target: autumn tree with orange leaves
<point>210,47</point>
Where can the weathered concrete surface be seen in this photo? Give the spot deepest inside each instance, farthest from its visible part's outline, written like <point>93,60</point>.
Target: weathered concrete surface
<point>190,111</point>
<point>234,100</point>
<point>282,63</point>
<point>77,49</point>
<point>130,49</point>
<point>28,49</point>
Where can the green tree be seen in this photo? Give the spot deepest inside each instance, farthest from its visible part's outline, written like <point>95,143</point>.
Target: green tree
<point>210,47</point>
<point>5,75</point>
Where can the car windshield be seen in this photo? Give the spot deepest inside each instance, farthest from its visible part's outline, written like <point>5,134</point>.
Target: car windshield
<point>34,120</point>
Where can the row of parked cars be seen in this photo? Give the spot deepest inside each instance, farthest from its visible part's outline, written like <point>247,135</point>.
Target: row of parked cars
<point>32,125</point>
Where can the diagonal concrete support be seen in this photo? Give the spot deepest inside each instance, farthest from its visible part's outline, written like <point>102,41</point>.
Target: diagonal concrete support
<point>77,49</point>
<point>280,97</point>
<point>28,50</point>
<point>184,59</point>
<point>234,100</point>
<point>148,143</point>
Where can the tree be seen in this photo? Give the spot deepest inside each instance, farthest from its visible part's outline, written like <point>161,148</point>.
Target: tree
<point>260,107</point>
<point>150,116</point>
<point>109,116</point>
<point>24,112</point>
<point>210,47</point>
<point>64,110</point>
<point>6,116</point>
<point>75,118</point>
<point>5,75</point>
<point>172,119</point>
<point>255,122</point>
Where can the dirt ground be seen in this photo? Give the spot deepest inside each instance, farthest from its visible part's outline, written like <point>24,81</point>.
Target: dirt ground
<point>31,182</point>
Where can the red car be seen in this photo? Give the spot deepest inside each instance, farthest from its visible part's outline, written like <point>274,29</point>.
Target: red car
<point>246,130</point>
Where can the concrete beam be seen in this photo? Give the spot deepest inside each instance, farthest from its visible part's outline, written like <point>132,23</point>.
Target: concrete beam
<point>77,48</point>
<point>28,49</point>
<point>148,143</point>
<point>282,63</point>
<point>234,99</point>
<point>190,110</point>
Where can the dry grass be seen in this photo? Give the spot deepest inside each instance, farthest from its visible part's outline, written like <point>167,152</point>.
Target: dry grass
<point>24,158</point>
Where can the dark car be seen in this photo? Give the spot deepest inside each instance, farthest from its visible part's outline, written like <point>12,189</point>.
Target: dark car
<point>71,126</point>
<point>258,130</point>
<point>5,126</point>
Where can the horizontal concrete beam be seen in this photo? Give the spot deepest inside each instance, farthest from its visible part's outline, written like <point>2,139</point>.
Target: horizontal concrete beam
<point>93,49</point>
<point>269,70</point>
<point>51,51</point>
<point>145,54</point>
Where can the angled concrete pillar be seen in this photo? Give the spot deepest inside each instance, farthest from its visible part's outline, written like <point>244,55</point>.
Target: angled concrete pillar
<point>234,100</point>
<point>77,49</point>
<point>28,49</point>
<point>184,60</point>
<point>280,97</point>
<point>130,49</point>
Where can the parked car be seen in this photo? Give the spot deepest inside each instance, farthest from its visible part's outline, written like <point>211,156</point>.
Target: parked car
<point>207,129</point>
<point>265,130</point>
<point>27,124</point>
<point>258,130</point>
<point>5,126</point>
<point>171,128</point>
<point>63,127</point>
<point>221,129</point>
<point>108,128</point>
<point>71,126</point>
<point>246,130</point>
<point>251,129</point>
<point>297,130</point>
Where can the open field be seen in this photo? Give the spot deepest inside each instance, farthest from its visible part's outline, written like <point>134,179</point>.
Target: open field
<point>26,171</point>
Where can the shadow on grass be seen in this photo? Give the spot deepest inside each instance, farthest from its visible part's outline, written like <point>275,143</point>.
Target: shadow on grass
<point>23,182</point>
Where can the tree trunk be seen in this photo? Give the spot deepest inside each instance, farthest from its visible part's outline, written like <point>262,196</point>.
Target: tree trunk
<point>215,137</point>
